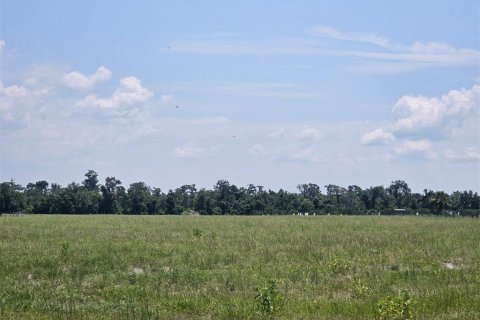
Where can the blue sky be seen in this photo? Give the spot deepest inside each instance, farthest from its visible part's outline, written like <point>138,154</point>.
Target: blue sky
<point>274,93</point>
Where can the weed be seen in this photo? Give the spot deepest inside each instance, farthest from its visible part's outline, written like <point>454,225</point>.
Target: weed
<point>268,299</point>
<point>65,251</point>
<point>339,266</point>
<point>360,289</point>
<point>197,233</point>
<point>396,307</point>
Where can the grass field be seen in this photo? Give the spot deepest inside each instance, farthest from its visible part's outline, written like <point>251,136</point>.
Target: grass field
<point>196,267</point>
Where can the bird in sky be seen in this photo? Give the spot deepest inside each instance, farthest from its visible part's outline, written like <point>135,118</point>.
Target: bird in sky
<point>177,106</point>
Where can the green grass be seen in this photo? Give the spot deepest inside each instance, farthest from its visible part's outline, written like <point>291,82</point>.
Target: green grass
<point>165,267</point>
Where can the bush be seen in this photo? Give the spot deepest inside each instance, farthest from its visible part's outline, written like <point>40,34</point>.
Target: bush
<point>268,299</point>
<point>395,308</point>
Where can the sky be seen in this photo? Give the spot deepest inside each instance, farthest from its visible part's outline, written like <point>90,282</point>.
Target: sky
<point>273,93</point>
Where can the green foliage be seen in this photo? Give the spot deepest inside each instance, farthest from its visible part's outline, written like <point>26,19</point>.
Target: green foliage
<point>338,265</point>
<point>360,289</point>
<point>197,233</point>
<point>268,299</point>
<point>227,199</point>
<point>395,307</point>
<point>65,251</point>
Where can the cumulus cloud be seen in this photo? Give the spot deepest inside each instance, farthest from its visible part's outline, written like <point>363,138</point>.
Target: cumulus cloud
<point>417,113</point>
<point>377,137</point>
<point>129,93</point>
<point>77,80</point>
<point>421,121</point>
<point>16,102</point>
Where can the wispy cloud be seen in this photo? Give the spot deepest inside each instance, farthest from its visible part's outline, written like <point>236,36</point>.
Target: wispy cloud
<point>192,151</point>
<point>328,32</point>
<point>383,54</point>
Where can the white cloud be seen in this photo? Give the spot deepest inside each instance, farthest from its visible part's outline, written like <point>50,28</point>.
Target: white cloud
<point>191,151</point>
<point>78,80</point>
<point>428,116</point>
<point>420,147</point>
<point>419,58</point>
<point>15,95</point>
<point>328,32</point>
<point>417,113</point>
<point>426,126</point>
<point>2,45</point>
<point>379,54</point>
<point>16,104</point>
<point>309,133</point>
<point>129,93</point>
<point>471,154</point>
<point>377,137</point>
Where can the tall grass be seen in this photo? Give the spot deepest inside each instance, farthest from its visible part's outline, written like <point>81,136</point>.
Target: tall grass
<point>158,267</point>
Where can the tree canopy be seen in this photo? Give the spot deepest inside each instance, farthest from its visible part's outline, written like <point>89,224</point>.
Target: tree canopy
<point>224,198</point>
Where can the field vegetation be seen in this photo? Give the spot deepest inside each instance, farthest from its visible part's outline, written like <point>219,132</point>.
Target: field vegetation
<point>239,267</point>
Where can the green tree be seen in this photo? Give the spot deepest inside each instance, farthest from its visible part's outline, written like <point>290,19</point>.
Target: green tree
<point>91,182</point>
<point>11,197</point>
<point>439,202</point>
<point>109,202</point>
<point>170,205</point>
<point>401,193</point>
<point>138,196</point>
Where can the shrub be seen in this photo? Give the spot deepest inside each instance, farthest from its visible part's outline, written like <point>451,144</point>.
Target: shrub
<point>268,299</point>
<point>395,308</point>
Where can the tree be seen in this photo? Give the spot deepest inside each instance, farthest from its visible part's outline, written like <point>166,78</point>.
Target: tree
<point>37,197</point>
<point>401,193</point>
<point>157,202</point>
<point>306,205</point>
<point>11,197</point>
<point>170,203</point>
<point>91,182</point>
<point>309,190</point>
<point>439,202</point>
<point>109,202</point>
<point>138,196</point>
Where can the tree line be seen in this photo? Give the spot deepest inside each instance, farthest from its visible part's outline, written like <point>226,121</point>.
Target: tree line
<point>91,197</point>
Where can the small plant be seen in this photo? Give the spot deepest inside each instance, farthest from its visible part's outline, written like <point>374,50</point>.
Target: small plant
<point>64,252</point>
<point>339,266</point>
<point>197,233</point>
<point>360,289</point>
<point>268,299</point>
<point>395,308</point>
